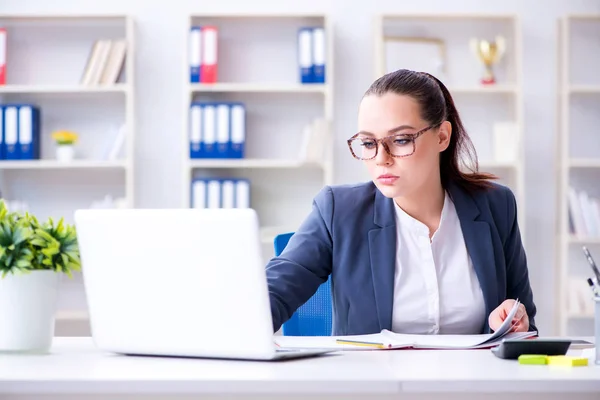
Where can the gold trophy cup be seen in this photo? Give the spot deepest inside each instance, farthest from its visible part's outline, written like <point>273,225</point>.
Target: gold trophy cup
<point>488,52</point>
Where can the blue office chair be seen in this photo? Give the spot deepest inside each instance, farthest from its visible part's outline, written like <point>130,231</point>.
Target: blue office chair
<point>313,318</point>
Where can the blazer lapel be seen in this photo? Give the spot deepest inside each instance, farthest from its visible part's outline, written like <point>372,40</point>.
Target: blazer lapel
<point>382,251</point>
<point>478,239</point>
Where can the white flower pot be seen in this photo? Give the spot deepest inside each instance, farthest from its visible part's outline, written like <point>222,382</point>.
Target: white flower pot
<point>27,311</point>
<point>65,152</point>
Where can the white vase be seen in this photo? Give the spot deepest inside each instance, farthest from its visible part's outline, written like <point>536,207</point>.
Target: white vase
<point>27,311</point>
<point>65,152</point>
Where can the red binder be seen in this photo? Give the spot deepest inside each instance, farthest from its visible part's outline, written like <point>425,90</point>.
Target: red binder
<point>208,72</point>
<point>3,56</point>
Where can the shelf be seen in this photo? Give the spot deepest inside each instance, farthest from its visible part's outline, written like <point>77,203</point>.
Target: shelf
<point>579,315</point>
<point>481,89</point>
<point>251,163</point>
<point>258,87</point>
<point>72,316</point>
<point>63,89</point>
<point>497,165</point>
<point>268,233</point>
<point>54,164</point>
<point>450,16</point>
<point>584,89</point>
<point>583,240</point>
<point>584,163</point>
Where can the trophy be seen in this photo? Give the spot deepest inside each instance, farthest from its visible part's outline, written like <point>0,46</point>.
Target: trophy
<point>489,52</point>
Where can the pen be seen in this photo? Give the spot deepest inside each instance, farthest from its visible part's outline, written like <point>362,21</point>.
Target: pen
<point>593,286</point>
<point>592,263</point>
<point>358,343</point>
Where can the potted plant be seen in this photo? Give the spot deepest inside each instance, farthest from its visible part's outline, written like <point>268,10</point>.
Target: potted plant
<point>33,255</point>
<point>65,145</point>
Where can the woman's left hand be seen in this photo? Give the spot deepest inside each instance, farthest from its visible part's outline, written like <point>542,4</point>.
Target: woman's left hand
<point>520,322</point>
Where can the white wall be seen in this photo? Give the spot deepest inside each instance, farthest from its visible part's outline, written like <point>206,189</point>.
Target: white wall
<point>161,30</point>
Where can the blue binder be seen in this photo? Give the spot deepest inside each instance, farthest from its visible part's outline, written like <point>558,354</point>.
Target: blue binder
<point>195,127</point>
<point>11,132</point>
<point>223,129</point>
<point>305,54</point>
<point>208,144</point>
<point>319,55</point>
<point>195,53</point>
<point>238,130</point>
<point>29,132</point>
<point>2,155</point>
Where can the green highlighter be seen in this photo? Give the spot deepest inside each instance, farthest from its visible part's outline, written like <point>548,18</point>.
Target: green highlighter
<point>533,359</point>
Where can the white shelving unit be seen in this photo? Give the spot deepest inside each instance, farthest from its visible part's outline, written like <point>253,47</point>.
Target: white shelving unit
<point>46,58</point>
<point>278,107</point>
<point>578,168</point>
<point>439,44</point>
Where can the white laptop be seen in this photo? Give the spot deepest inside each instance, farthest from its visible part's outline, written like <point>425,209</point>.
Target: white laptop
<point>179,282</point>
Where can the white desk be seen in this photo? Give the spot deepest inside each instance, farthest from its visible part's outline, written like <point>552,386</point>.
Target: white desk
<point>75,369</point>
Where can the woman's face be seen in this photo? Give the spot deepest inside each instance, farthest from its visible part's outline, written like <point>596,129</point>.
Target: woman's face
<point>398,118</point>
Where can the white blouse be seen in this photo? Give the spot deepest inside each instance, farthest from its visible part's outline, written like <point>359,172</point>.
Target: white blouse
<point>436,290</point>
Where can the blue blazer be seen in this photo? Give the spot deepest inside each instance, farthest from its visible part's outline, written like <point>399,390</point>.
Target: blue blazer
<point>350,235</point>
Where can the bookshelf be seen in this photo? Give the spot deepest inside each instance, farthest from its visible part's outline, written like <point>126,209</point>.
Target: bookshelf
<point>578,170</point>
<point>492,113</point>
<point>47,56</point>
<point>278,108</point>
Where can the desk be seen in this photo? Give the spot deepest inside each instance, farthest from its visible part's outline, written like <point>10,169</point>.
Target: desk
<point>75,369</point>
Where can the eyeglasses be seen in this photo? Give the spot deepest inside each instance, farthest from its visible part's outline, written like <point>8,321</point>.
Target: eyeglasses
<point>398,145</point>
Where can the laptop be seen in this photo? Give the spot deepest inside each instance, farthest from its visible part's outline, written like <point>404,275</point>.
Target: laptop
<point>178,282</point>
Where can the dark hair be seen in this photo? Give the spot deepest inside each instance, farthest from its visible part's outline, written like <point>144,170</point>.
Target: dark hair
<point>437,106</point>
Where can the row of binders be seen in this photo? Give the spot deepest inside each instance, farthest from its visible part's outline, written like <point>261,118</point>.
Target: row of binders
<point>203,54</point>
<point>220,193</point>
<point>19,132</point>
<point>311,54</point>
<point>105,62</point>
<point>217,129</point>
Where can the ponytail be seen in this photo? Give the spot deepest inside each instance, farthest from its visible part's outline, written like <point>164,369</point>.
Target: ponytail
<point>460,151</point>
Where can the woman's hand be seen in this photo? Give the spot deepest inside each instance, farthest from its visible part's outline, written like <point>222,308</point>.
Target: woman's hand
<point>520,322</point>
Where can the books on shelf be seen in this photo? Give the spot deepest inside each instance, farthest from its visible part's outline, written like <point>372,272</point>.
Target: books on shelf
<point>217,129</point>
<point>580,300</point>
<point>19,132</point>
<point>220,193</point>
<point>311,54</point>
<point>584,214</point>
<point>315,139</point>
<point>105,62</point>
<point>203,54</point>
<point>115,145</point>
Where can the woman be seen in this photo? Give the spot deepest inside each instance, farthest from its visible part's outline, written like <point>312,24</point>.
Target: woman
<point>425,247</point>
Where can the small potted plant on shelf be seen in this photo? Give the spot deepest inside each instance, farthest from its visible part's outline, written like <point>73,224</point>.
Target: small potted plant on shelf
<point>65,145</point>
<point>33,256</point>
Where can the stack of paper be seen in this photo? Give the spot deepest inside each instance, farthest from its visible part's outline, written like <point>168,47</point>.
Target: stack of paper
<point>390,340</point>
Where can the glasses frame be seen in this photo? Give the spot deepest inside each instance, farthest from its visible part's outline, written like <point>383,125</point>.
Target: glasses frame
<point>413,137</point>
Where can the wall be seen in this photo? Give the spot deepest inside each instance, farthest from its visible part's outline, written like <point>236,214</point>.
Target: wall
<point>161,34</point>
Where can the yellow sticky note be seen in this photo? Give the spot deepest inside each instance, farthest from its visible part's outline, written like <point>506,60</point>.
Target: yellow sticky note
<point>568,361</point>
<point>533,359</point>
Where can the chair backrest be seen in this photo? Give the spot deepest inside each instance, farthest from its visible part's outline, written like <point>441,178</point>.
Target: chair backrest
<point>313,318</point>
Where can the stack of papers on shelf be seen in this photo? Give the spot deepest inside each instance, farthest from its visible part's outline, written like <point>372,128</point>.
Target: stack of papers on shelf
<point>390,340</point>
